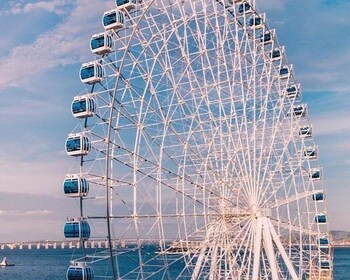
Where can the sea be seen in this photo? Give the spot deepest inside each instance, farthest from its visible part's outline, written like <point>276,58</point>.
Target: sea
<point>52,264</point>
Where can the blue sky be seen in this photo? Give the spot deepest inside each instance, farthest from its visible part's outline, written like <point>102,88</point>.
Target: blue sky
<point>43,45</point>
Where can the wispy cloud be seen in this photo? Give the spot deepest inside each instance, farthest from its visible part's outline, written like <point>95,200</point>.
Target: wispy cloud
<point>333,124</point>
<point>66,44</point>
<point>58,7</point>
<point>25,213</point>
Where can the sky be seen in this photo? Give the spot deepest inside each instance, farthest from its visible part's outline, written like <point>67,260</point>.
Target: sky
<point>43,44</point>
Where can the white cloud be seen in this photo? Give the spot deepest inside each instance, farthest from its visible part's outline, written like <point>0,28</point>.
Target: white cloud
<point>25,213</point>
<point>333,124</point>
<point>66,44</point>
<point>56,6</point>
<point>16,9</point>
<point>327,72</point>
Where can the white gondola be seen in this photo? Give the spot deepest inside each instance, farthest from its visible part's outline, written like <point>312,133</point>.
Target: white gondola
<point>310,152</point>
<point>267,37</point>
<point>75,186</point>
<point>321,218</point>
<point>257,21</point>
<point>91,72</point>
<point>126,4</point>
<point>299,110</point>
<point>285,71</point>
<point>305,131</point>
<point>83,106</point>
<point>318,197</point>
<point>101,43</point>
<point>315,174</point>
<point>276,54</point>
<point>77,230</point>
<point>113,19</point>
<point>323,242</point>
<point>245,8</point>
<point>325,264</point>
<point>293,91</point>
<point>77,145</point>
<point>80,271</point>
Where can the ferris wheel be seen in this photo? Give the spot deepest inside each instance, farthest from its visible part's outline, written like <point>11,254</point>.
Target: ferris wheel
<point>194,153</point>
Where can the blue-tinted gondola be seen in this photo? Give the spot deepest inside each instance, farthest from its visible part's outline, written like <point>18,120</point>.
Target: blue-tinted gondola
<point>80,272</point>
<point>75,186</point>
<point>305,131</point>
<point>276,54</point>
<point>91,73</point>
<point>113,19</point>
<point>285,72</point>
<point>101,43</point>
<point>83,106</point>
<point>319,197</point>
<point>77,145</point>
<point>315,174</point>
<point>245,8</point>
<point>299,110</point>
<point>325,265</point>
<point>77,229</point>
<point>321,218</point>
<point>323,242</point>
<point>125,4</point>
<point>256,22</point>
<point>267,37</point>
<point>293,91</point>
<point>310,152</point>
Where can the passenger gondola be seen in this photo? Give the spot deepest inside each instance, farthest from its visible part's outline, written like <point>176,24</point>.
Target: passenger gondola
<point>80,271</point>
<point>323,242</point>
<point>75,186</point>
<point>113,19</point>
<point>256,22</point>
<point>305,131</point>
<point>299,110</point>
<point>276,54</point>
<point>321,218</point>
<point>284,72</point>
<point>318,197</point>
<point>310,152</point>
<point>267,37</point>
<point>126,4</point>
<point>245,8</point>
<point>325,264</point>
<point>315,174</point>
<point>101,43</point>
<point>91,73</point>
<point>77,229</point>
<point>83,106</point>
<point>292,91</point>
<point>78,145</point>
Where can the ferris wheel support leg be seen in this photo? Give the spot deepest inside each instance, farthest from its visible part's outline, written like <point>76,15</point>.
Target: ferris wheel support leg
<point>270,252</point>
<point>214,266</point>
<point>283,252</point>
<point>199,263</point>
<point>257,250</point>
<point>202,256</point>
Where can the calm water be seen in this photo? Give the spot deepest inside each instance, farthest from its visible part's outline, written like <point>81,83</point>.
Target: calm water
<point>52,264</point>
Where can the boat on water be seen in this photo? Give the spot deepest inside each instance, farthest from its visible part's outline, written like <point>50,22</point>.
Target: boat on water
<point>5,263</point>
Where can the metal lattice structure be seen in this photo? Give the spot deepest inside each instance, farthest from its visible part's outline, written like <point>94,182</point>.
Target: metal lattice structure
<point>195,154</point>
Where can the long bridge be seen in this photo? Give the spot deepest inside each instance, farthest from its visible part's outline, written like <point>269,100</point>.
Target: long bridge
<point>99,244</point>
<point>61,244</point>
